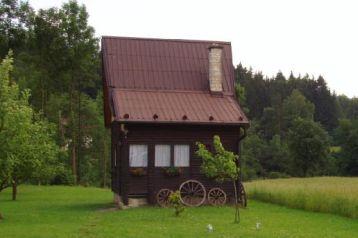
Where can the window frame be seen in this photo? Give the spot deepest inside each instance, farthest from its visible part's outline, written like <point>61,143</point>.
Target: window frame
<point>129,155</point>
<point>172,160</point>
<point>189,153</point>
<point>170,154</point>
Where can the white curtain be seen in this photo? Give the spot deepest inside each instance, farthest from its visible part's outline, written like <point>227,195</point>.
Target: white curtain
<point>138,155</point>
<point>162,155</point>
<point>181,155</point>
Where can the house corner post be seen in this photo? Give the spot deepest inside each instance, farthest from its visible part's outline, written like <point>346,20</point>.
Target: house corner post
<point>124,166</point>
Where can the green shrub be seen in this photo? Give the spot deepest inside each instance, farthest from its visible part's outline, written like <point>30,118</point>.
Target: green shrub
<point>64,177</point>
<point>175,202</point>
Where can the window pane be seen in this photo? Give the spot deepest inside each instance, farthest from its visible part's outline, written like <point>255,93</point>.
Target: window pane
<point>138,155</point>
<point>162,155</point>
<point>181,155</point>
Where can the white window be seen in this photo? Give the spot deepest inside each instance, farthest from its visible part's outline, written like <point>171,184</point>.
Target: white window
<point>138,155</point>
<point>181,156</point>
<point>162,155</point>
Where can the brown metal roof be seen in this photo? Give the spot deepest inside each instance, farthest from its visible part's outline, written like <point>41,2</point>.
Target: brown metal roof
<point>176,107</point>
<point>138,63</point>
<point>166,81</point>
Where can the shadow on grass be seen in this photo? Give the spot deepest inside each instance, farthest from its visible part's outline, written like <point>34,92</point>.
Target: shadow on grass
<point>83,207</point>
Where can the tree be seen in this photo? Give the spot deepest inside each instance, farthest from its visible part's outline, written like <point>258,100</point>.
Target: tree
<point>269,122</point>
<point>63,58</point>
<point>8,94</point>
<point>255,90</point>
<point>347,137</point>
<point>297,106</point>
<point>278,159</point>
<point>221,166</point>
<point>15,18</point>
<point>253,149</point>
<point>27,147</point>
<point>347,107</point>
<point>309,147</point>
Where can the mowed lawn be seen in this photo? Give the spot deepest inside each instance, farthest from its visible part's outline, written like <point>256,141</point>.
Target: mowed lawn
<point>337,195</point>
<point>60,211</point>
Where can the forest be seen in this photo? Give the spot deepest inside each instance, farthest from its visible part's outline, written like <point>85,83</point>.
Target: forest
<point>51,112</point>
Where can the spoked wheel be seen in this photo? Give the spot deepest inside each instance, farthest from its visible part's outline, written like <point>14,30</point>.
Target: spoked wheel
<point>163,197</point>
<point>216,196</point>
<point>192,193</point>
<point>242,197</point>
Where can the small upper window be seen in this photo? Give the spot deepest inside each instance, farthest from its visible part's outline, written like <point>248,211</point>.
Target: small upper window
<point>162,155</point>
<point>181,155</point>
<point>138,155</point>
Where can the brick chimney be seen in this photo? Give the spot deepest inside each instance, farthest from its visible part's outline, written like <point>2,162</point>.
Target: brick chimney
<point>215,68</point>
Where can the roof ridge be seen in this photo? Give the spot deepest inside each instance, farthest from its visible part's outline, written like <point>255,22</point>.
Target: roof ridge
<point>167,91</point>
<point>167,39</point>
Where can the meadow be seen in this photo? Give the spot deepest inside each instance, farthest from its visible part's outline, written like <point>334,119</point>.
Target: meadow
<point>336,195</point>
<point>60,211</point>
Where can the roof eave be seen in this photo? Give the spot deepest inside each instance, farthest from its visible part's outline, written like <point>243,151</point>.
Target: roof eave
<point>242,123</point>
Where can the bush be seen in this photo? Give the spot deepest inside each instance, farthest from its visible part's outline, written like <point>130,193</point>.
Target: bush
<point>175,202</point>
<point>64,177</point>
<point>275,175</point>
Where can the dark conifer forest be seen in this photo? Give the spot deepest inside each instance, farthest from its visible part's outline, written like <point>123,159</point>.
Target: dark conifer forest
<point>299,126</point>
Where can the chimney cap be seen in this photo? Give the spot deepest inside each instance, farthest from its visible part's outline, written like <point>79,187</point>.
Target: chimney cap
<point>215,46</point>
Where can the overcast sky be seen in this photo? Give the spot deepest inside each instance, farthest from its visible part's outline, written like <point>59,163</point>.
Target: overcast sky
<point>303,36</point>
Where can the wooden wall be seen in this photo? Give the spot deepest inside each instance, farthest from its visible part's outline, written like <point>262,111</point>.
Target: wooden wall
<point>126,184</point>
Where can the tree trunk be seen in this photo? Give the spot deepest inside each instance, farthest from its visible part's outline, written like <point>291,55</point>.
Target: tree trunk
<point>74,163</point>
<point>237,211</point>
<point>104,163</point>
<point>14,189</point>
<point>79,141</point>
<point>72,127</point>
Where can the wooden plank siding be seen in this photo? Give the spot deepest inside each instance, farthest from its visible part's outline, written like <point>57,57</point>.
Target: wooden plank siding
<point>151,135</point>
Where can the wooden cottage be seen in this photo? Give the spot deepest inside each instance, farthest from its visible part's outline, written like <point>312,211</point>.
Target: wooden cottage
<point>160,97</point>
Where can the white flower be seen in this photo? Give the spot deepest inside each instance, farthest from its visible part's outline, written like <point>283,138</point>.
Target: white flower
<point>210,228</point>
<point>258,224</point>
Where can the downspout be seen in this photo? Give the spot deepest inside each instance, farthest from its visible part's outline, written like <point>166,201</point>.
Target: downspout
<point>241,137</point>
<point>124,162</point>
<point>239,147</point>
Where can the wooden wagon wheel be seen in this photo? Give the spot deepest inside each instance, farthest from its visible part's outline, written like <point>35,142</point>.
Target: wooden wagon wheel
<point>163,197</point>
<point>216,196</point>
<point>242,197</point>
<point>192,193</point>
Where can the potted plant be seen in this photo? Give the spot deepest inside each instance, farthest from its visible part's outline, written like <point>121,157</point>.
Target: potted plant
<point>172,171</point>
<point>138,172</point>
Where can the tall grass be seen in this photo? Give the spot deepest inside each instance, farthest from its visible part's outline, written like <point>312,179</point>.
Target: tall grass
<point>337,195</point>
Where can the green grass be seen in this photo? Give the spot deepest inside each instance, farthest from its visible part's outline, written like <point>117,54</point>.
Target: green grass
<point>335,195</point>
<point>335,149</point>
<point>83,212</point>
